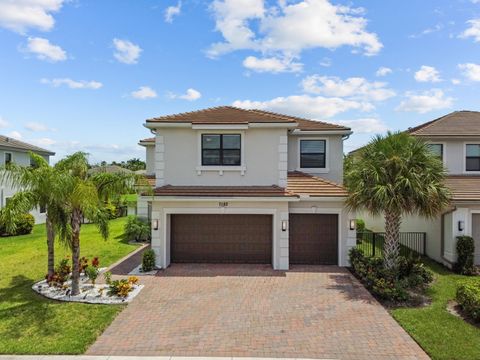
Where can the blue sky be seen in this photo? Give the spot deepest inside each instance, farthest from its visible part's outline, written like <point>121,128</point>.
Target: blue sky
<point>84,75</point>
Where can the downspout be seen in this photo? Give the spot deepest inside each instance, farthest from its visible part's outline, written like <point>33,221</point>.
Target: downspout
<point>442,242</point>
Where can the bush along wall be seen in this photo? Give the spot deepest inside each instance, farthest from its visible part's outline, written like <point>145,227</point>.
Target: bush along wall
<point>23,226</point>
<point>468,297</point>
<point>465,255</point>
<point>398,286</point>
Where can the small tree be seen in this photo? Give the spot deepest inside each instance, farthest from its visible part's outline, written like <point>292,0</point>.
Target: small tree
<point>396,175</point>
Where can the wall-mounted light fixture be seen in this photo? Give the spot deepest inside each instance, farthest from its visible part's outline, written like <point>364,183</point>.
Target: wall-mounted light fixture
<point>461,225</point>
<point>353,224</point>
<point>284,225</point>
<point>155,224</point>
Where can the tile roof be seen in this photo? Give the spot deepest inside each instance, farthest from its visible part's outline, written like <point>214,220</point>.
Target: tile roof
<point>233,115</point>
<point>305,184</point>
<point>458,123</point>
<point>299,184</point>
<point>464,187</point>
<point>23,146</point>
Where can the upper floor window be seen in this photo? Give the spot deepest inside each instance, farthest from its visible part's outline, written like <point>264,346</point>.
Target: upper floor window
<point>437,150</point>
<point>312,153</point>
<point>473,157</point>
<point>221,150</point>
<point>8,158</point>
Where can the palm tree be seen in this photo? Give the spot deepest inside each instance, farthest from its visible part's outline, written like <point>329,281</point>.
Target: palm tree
<point>42,186</point>
<point>87,197</point>
<point>393,176</point>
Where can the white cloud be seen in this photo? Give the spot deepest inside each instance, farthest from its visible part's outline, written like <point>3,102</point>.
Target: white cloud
<point>473,30</point>
<point>15,135</point>
<point>190,95</point>
<point>470,71</point>
<point>20,15</point>
<point>271,64</point>
<point>289,28</point>
<point>126,52</point>
<point>365,125</point>
<point>172,11</point>
<point>383,71</point>
<point>427,74</point>
<point>73,84</point>
<point>326,62</point>
<point>43,142</point>
<point>455,81</point>
<point>36,126</point>
<point>425,101</point>
<point>144,92</point>
<point>355,87</point>
<point>44,50</point>
<point>3,123</point>
<point>315,107</point>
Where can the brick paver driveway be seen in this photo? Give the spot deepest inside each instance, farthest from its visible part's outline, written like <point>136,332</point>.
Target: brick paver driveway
<point>253,311</point>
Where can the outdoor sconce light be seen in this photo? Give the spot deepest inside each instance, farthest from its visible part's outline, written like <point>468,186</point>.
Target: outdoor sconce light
<point>353,223</point>
<point>461,225</point>
<point>284,225</point>
<point>155,224</point>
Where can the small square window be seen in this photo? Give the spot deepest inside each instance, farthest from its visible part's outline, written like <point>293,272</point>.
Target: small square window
<point>312,153</point>
<point>436,149</point>
<point>472,161</point>
<point>221,150</point>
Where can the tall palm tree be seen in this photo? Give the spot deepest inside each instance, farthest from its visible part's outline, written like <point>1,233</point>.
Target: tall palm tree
<point>87,197</point>
<point>396,175</point>
<point>42,186</point>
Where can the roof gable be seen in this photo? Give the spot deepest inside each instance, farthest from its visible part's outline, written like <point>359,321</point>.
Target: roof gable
<point>22,146</point>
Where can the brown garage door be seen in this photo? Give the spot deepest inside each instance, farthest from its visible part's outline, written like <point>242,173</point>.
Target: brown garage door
<point>313,239</point>
<point>221,238</point>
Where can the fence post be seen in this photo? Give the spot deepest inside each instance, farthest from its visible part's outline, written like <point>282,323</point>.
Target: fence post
<point>373,244</point>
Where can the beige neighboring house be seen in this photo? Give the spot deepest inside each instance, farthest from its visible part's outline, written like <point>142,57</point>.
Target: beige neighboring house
<point>246,186</point>
<point>15,151</point>
<point>455,138</point>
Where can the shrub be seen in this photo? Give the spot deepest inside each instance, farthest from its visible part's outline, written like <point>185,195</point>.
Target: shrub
<point>465,251</point>
<point>468,297</point>
<point>111,210</point>
<point>82,264</point>
<point>137,229</point>
<point>386,284</point>
<point>23,226</point>
<point>148,260</point>
<point>61,273</point>
<point>360,225</point>
<point>108,277</point>
<point>92,273</point>
<point>122,287</point>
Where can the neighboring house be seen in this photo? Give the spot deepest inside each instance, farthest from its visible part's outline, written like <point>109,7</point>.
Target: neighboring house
<point>15,151</point>
<point>246,186</point>
<point>455,138</point>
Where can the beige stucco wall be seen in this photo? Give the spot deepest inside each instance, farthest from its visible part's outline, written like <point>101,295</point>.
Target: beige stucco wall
<point>162,209</point>
<point>178,158</point>
<point>150,159</point>
<point>334,156</point>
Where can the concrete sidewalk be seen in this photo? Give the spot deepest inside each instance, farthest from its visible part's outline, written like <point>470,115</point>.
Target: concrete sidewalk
<point>85,357</point>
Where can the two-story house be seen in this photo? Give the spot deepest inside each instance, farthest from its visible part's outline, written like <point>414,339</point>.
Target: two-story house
<point>15,151</point>
<point>455,138</point>
<point>246,186</point>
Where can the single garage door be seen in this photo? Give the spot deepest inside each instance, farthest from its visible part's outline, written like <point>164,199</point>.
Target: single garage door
<point>221,238</point>
<point>313,239</point>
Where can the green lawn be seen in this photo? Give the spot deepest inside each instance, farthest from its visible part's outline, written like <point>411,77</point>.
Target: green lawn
<point>31,324</point>
<point>440,334</point>
<point>130,198</point>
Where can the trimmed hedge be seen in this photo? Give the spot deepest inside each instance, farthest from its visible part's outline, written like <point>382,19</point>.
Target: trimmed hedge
<point>388,285</point>
<point>465,253</point>
<point>468,297</point>
<point>148,260</point>
<point>23,226</point>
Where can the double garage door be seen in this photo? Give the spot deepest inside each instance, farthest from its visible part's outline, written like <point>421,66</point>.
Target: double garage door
<point>240,238</point>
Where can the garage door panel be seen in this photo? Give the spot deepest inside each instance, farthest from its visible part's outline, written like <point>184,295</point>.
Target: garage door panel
<point>313,239</point>
<point>221,238</point>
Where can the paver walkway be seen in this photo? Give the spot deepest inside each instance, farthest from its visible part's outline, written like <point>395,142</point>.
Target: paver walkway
<point>253,311</point>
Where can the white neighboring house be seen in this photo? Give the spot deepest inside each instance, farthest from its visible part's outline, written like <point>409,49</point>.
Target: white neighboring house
<point>15,151</point>
<point>455,138</point>
<point>246,186</point>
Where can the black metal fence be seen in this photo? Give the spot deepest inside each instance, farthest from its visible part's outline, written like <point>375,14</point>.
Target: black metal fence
<point>410,243</point>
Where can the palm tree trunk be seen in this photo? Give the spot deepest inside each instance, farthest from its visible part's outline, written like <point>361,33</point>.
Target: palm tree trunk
<point>50,246</point>
<point>391,250</point>
<point>76,223</point>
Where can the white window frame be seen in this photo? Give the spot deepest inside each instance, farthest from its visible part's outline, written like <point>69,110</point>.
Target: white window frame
<point>444,150</point>
<point>5,157</point>
<point>220,169</point>
<point>324,170</point>
<point>465,157</point>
